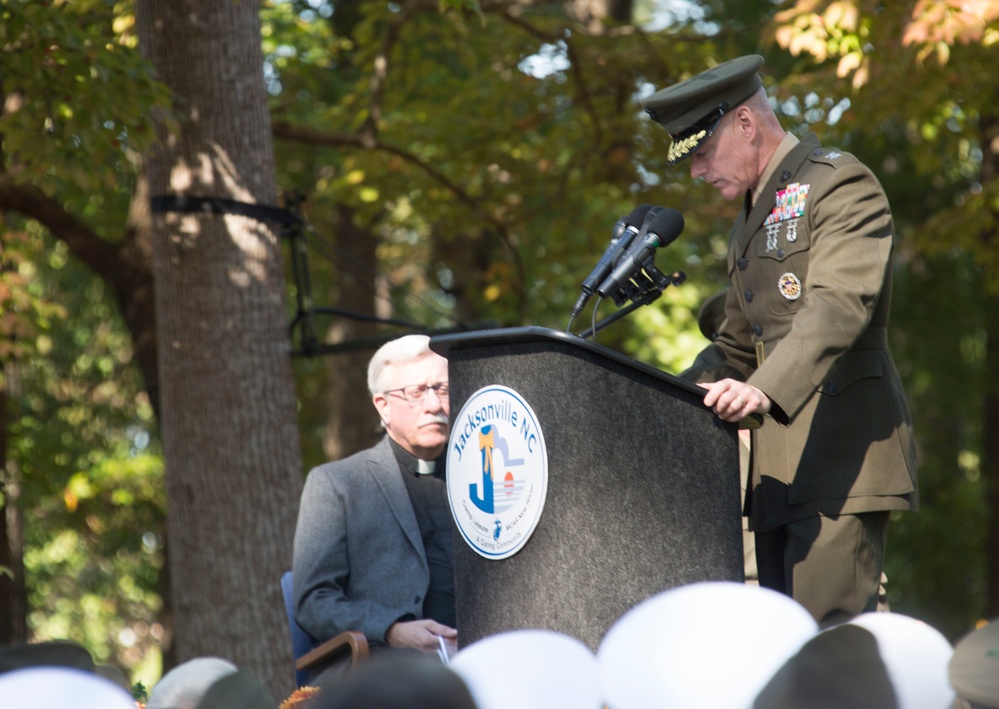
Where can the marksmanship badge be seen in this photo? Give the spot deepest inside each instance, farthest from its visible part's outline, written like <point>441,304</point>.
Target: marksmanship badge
<point>789,286</point>
<point>497,472</point>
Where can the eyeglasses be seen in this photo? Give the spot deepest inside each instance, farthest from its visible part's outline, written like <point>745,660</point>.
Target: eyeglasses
<point>415,393</point>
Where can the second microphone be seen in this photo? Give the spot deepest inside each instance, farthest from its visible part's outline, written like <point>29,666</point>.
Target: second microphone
<point>661,231</point>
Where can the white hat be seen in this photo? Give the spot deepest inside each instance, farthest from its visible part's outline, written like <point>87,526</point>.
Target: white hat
<point>61,688</point>
<point>974,667</point>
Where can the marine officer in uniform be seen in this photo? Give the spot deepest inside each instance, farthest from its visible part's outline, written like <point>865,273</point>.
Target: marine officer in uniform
<point>803,339</point>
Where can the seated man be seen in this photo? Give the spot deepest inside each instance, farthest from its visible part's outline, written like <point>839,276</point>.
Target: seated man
<point>373,545</point>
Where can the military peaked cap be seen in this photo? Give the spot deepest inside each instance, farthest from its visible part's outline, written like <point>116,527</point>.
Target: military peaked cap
<point>691,109</point>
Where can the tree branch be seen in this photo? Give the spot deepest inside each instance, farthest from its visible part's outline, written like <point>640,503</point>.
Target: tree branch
<point>379,75</point>
<point>84,242</point>
<point>126,268</point>
<point>311,136</point>
<point>575,65</point>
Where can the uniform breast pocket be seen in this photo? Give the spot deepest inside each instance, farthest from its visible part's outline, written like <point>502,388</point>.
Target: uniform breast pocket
<point>783,255</point>
<point>782,239</point>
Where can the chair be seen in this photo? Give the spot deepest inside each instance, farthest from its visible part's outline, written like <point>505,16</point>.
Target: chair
<point>310,660</point>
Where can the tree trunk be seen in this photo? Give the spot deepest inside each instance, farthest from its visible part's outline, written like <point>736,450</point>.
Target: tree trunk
<point>352,424</point>
<point>989,126</point>
<point>228,418</point>
<point>990,457</point>
<point>13,590</point>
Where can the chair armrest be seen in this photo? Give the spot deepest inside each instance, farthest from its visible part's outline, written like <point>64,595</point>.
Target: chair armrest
<point>349,642</point>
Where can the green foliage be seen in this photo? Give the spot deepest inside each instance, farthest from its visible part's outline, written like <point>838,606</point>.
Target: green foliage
<point>936,557</point>
<point>78,99</point>
<point>95,581</point>
<point>970,227</point>
<point>468,151</point>
<point>19,309</point>
<point>139,692</point>
<point>82,438</point>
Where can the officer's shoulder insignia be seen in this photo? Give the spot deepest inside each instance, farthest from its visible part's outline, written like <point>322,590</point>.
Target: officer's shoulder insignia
<point>789,286</point>
<point>831,156</point>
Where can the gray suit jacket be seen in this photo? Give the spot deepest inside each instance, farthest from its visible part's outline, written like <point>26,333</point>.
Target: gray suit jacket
<point>359,561</point>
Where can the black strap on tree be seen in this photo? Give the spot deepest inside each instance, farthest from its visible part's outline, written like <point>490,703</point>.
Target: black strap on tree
<point>292,227</point>
<point>189,204</point>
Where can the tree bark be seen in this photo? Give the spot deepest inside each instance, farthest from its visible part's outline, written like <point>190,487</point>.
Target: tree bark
<point>228,418</point>
<point>13,590</point>
<point>990,456</point>
<point>352,423</point>
<point>989,127</point>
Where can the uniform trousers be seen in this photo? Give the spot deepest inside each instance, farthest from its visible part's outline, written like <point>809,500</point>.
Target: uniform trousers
<point>830,565</point>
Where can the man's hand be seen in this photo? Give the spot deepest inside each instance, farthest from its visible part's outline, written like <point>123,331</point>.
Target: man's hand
<point>733,400</point>
<point>422,635</point>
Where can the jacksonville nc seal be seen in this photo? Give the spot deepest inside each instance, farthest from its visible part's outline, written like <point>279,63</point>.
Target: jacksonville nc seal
<point>497,471</point>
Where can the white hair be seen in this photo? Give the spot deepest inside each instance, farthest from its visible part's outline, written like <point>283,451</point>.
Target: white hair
<point>405,349</point>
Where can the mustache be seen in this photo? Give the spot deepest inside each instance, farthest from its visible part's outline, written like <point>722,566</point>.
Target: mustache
<point>441,418</point>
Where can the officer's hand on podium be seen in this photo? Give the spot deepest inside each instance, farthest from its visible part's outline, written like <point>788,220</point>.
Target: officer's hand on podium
<point>733,400</point>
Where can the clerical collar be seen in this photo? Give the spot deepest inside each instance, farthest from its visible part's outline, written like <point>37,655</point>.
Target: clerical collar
<point>409,463</point>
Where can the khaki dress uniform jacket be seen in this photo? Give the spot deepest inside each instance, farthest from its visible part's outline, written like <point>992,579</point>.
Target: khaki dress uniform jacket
<point>805,322</point>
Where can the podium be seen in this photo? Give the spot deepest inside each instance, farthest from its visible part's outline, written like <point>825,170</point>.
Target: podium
<point>642,488</point>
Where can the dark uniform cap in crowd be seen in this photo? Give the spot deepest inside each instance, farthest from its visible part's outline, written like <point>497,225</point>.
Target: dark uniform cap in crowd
<point>974,666</point>
<point>398,680</point>
<point>237,690</point>
<point>50,653</point>
<point>691,109</point>
<point>839,667</point>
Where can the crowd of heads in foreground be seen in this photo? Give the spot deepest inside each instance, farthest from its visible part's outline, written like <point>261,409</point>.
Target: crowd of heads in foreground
<point>711,645</point>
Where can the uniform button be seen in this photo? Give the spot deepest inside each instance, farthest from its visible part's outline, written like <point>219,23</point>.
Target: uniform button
<point>749,295</point>
<point>785,176</point>
<point>780,253</point>
<point>416,600</point>
<point>757,330</point>
<point>832,388</point>
<point>742,263</point>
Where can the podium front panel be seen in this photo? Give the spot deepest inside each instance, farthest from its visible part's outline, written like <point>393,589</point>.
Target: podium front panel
<point>643,491</point>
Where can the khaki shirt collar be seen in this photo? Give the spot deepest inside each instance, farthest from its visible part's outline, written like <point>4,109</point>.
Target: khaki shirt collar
<point>785,147</point>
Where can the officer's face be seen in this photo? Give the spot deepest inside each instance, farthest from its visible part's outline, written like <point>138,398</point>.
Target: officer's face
<point>420,426</point>
<point>728,159</point>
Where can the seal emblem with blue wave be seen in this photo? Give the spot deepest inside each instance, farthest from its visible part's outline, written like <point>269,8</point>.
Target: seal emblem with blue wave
<point>497,471</point>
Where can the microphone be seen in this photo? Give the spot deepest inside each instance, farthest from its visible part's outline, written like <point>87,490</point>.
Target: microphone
<point>665,226</point>
<point>622,235</point>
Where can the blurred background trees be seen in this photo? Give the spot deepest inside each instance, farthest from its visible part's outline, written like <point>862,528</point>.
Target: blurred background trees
<point>461,166</point>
